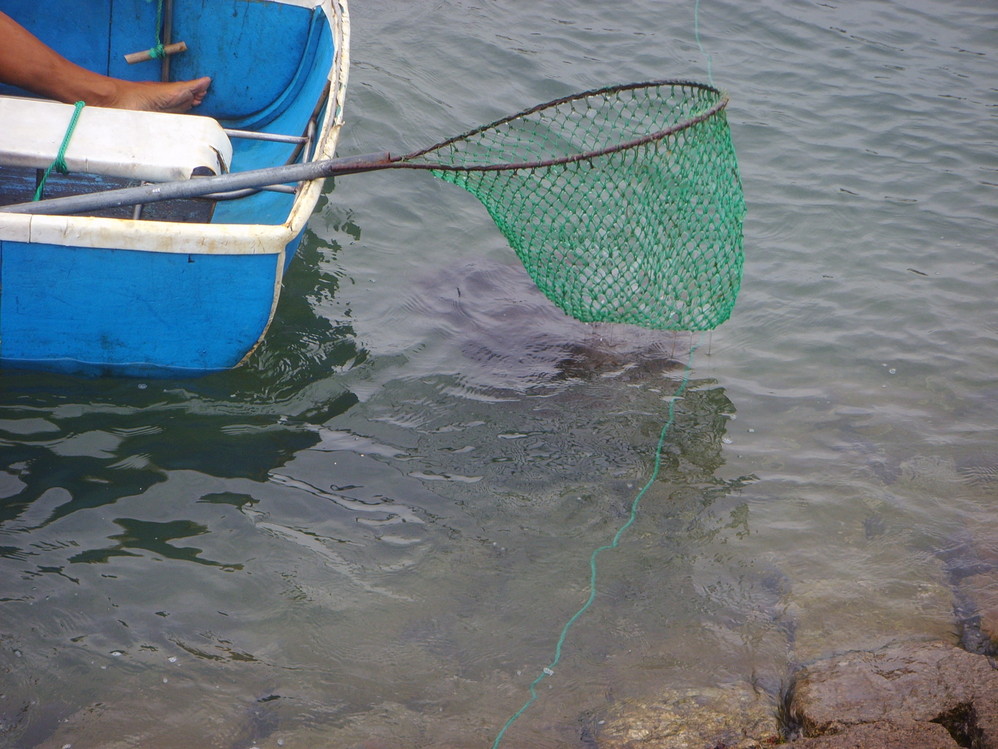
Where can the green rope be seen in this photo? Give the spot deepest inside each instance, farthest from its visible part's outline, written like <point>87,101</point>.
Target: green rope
<point>158,52</point>
<point>59,163</point>
<point>549,669</point>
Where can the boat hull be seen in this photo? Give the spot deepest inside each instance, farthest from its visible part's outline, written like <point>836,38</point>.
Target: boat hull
<point>110,312</point>
<point>115,296</point>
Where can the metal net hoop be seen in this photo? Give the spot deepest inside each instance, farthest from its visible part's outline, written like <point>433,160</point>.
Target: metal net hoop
<point>624,204</point>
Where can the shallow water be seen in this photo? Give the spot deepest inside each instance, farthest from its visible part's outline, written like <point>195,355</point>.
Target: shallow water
<point>376,530</point>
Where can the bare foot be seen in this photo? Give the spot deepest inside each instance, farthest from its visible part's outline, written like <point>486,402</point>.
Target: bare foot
<point>178,96</point>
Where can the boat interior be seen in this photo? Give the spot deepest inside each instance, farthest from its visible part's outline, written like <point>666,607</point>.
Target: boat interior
<point>269,63</point>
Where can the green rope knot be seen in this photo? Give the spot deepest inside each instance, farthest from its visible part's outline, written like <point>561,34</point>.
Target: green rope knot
<point>59,163</point>
<point>157,52</point>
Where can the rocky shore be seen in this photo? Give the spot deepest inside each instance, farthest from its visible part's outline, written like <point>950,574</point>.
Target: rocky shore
<point>913,695</point>
<point>908,694</point>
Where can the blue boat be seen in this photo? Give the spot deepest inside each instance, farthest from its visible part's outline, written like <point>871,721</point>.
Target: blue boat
<point>183,287</point>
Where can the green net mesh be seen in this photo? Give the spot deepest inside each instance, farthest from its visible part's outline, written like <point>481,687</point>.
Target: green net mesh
<point>623,204</point>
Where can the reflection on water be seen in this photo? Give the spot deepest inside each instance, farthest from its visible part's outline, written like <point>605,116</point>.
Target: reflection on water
<point>372,534</point>
<point>139,535</point>
<point>165,546</point>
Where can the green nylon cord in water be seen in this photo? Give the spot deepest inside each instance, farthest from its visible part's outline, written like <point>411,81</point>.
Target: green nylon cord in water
<point>549,669</point>
<point>696,34</point>
<point>59,163</point>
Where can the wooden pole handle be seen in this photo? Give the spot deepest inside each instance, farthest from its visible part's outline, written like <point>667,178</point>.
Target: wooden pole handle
<point>168,49</point>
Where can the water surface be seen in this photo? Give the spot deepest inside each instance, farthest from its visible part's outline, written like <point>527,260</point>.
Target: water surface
<point>375,531</point>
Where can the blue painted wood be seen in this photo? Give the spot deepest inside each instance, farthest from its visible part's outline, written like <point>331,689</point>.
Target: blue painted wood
<point>79,34</point>
<point>132,29</point>
<point>307,86</point>
<point>252,50</point>
<point>125,312</point>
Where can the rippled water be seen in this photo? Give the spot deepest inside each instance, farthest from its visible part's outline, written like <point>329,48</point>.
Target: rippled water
<point>373,533</point>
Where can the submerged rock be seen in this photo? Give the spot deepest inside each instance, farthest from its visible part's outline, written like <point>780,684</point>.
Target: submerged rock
<point>982,591</point>
<point>899,689</point>
<point>884,736</point>
<point>973,569</point>
<point>734,717</point>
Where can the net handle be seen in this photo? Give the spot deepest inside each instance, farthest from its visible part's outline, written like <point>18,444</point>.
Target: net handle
<point>403,162</point>
<point>259,178</point>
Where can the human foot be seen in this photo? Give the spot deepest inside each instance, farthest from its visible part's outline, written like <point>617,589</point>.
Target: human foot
<point>179,96</point>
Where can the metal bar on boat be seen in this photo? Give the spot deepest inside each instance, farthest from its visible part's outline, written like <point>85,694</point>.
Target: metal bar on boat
<point>201,186</point>
<point>245,193</point>
<point>275,137</point>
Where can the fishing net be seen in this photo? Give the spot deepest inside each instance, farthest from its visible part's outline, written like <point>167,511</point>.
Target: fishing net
<point>624,204</point>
